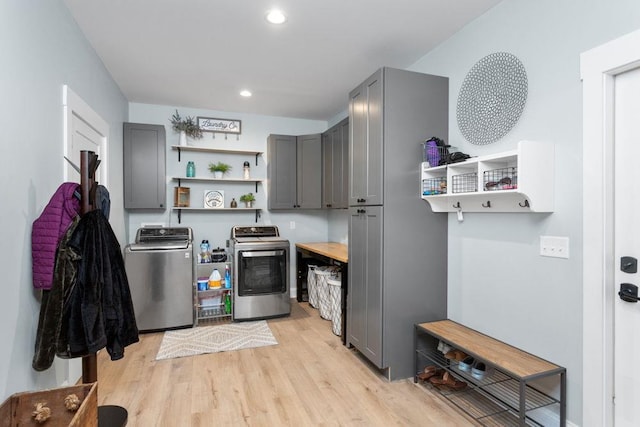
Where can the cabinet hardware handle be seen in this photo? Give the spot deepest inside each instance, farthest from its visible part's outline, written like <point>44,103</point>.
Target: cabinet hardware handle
<point>488,205</point>
<point>525,205</point>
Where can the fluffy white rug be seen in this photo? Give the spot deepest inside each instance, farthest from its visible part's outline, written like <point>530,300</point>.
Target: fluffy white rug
<point>212,339</point>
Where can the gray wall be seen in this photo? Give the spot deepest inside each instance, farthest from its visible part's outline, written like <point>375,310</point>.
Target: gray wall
<point>310,226</point>
<point>498,283</point>
<point>42,49</point>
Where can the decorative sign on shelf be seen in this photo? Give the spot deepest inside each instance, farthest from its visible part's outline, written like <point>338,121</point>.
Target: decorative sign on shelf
<point>213,199</point>
<point>209,124</point>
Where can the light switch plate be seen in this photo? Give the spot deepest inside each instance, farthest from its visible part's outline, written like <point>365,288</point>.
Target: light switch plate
<point>554,246</point>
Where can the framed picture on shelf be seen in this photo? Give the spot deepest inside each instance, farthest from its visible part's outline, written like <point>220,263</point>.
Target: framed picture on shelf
<point>213,199</point>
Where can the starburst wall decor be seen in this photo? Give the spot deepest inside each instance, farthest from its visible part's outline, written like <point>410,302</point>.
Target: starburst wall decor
<point>491,98</point>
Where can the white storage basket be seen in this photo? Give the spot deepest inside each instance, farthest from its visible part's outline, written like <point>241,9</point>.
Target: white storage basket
<point>335,293</point>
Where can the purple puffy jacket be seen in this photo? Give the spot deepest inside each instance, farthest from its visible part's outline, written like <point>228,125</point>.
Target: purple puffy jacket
<point>47,231</point>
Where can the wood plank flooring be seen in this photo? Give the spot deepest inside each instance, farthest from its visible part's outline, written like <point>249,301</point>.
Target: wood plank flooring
<point>308,379</point>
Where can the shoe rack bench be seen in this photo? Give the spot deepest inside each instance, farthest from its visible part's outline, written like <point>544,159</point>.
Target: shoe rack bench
<point>505,396</point>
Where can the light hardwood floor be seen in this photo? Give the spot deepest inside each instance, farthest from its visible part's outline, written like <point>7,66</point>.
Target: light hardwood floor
<point>308,379</point>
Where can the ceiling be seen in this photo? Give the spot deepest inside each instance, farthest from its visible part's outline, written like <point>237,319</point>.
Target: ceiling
<point>201,53</point>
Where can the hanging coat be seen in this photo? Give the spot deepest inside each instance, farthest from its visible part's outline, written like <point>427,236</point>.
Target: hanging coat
<point>99,311</point>
<point>47,231</point>
<point>53,302</point>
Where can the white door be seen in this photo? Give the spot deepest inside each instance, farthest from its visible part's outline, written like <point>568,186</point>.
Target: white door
<point>84,130</point>
<point>626,112</point>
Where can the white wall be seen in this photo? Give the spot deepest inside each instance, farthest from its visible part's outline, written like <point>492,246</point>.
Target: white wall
<point>498,283</point>
<point>42,49</point>
<point>310,226</point>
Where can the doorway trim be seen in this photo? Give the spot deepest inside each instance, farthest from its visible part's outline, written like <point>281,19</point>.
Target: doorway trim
<point>598,68</point>
<point>73,105</point>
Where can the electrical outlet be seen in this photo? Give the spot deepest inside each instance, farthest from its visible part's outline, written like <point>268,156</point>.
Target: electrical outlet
<point>292,225</point>
<point>553,246</point>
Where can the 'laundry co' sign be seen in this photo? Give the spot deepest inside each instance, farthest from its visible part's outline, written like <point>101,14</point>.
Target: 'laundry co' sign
<point>208,124</point>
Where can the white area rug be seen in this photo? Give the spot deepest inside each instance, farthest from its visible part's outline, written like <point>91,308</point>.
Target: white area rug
<point>212,339</point>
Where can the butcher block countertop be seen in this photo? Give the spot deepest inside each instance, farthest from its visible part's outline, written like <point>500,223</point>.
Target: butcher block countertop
<point>337,251</point>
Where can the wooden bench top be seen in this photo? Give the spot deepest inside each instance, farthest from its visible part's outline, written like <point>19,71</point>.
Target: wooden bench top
<point>514,361</point>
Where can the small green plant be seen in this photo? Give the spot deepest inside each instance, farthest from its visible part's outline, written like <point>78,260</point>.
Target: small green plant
<point>249,197</point>
<point>187,125</point>
<point>219,167</point>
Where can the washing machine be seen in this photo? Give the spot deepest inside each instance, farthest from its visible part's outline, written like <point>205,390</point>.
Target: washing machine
<point>160,270</point>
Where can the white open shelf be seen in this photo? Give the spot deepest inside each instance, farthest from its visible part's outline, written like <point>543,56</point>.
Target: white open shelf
<point>521,180</point>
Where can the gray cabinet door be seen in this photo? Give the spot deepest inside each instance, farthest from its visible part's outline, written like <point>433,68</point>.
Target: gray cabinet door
<point>365,282</point>
<point>366,144</point>
<point>282,171</point>
<point>309,171</point>
<point>341,185</point>
<point>145,185</point>
<point>327,169</point>
<point>335,155</point>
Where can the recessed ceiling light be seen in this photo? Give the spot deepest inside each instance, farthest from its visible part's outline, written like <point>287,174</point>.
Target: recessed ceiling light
<point>276,16</point>
<point>245,93</point>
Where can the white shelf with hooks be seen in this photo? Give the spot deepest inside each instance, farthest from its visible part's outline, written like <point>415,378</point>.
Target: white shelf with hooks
<point>520,180</point>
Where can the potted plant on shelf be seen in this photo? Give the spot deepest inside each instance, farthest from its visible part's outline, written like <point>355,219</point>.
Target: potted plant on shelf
<point>219,169</point>
<point>186,127</point>
<point>248,199</point>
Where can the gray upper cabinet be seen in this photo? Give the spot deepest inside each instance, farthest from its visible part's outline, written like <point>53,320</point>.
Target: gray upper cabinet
<point>397,245</point>
<point>294,171</point>
<point>335,158</point>
<point>145,185</point>
<point>365,151</point>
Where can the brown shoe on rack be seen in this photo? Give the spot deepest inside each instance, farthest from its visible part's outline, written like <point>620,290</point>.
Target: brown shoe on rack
<point>429,372</point>
<point>456,355</point>
<point>447,382</point>
<point>437,380</point>
<point>451,382</point>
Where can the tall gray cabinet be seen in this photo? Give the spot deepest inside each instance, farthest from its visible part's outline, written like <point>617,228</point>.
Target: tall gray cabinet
<point>397,246</point>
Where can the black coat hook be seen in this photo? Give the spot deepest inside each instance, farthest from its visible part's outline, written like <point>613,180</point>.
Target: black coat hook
<point>526,204</point>
<point>457,206</point>
<point>488,205</point>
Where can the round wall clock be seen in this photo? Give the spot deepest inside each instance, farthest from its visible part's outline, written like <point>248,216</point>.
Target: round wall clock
<point>213,199</point>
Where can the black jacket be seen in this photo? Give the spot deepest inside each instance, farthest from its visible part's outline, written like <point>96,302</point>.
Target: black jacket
<point>98,311</point>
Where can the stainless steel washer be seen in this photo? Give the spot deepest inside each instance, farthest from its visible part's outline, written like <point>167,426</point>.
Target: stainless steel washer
<point>160,270</point>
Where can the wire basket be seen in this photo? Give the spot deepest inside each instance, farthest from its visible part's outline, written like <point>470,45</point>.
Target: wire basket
<point>433,186</point>
<point>465,183</point>
<point>500,179</point>
<point>434,155</point>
